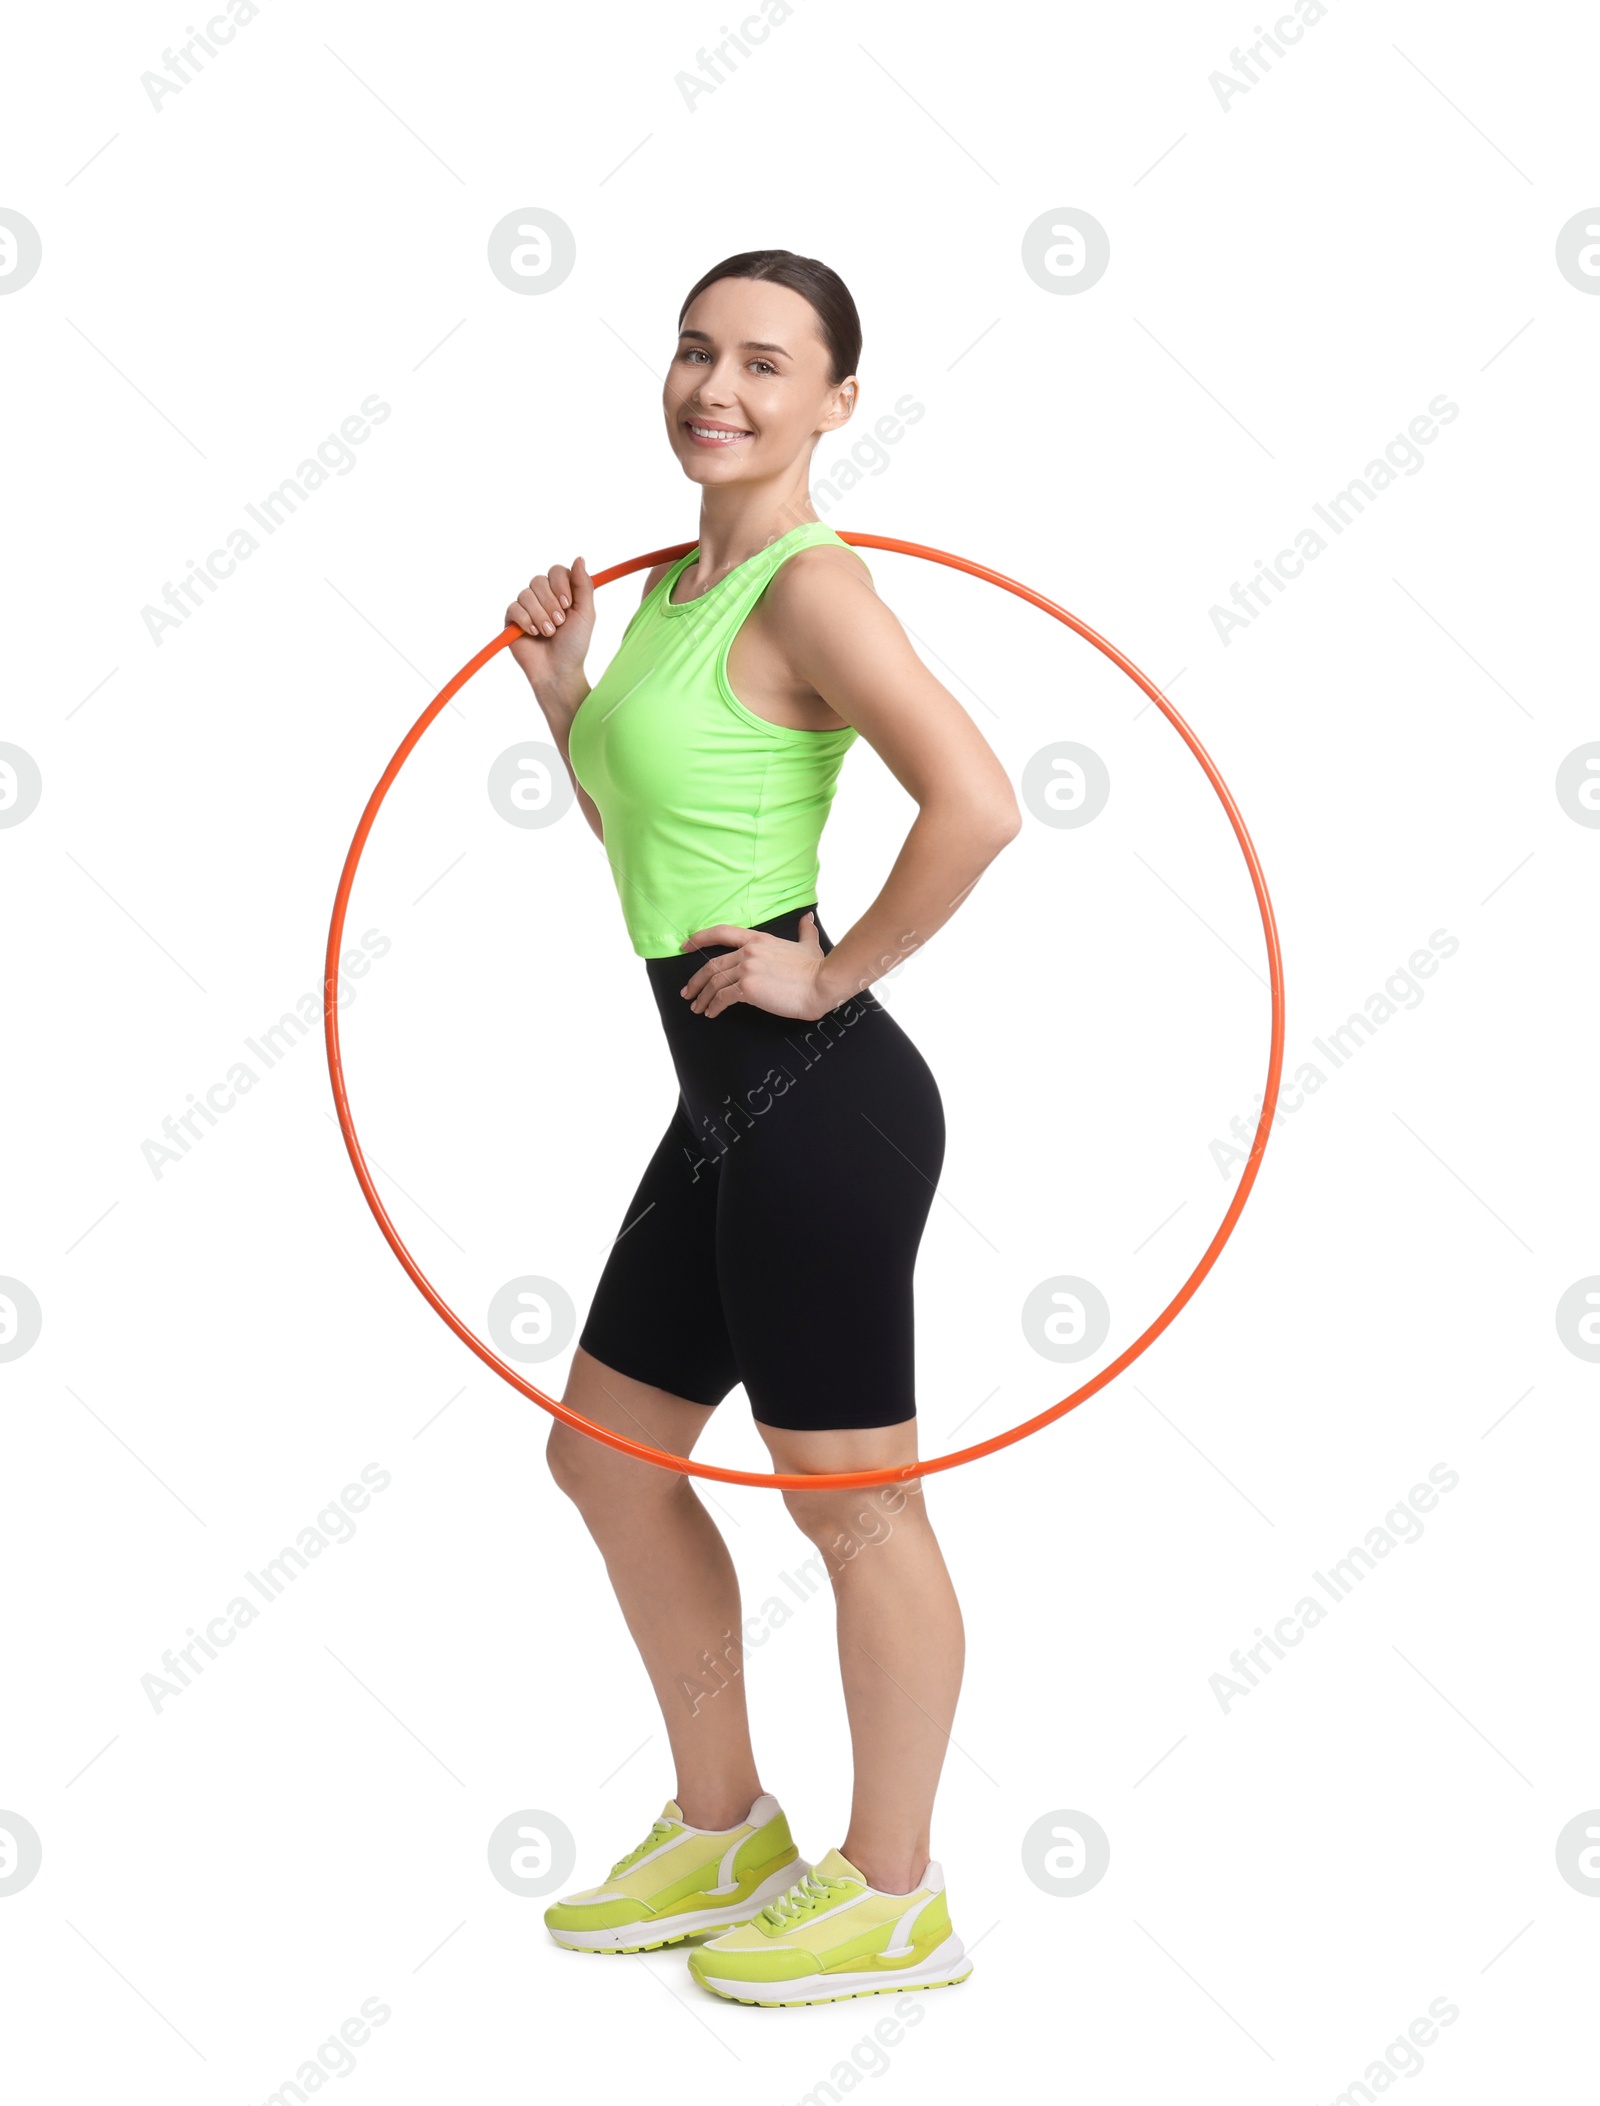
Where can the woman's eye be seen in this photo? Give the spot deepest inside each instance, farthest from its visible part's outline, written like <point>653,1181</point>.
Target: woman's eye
<point>765,364</point>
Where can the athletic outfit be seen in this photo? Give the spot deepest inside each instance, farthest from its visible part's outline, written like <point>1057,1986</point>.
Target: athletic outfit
<point>773,1236</point>
<point>771,1240</point>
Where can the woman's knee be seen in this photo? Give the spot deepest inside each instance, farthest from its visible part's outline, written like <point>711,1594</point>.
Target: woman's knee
<point>596,1478</point>
<point>844,1523</point>
<point>563,1451</point>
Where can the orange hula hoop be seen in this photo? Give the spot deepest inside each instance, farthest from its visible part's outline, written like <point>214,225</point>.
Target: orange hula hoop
<point>840,1479</point>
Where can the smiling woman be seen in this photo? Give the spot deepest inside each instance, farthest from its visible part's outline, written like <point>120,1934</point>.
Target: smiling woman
<point>773,1237</point>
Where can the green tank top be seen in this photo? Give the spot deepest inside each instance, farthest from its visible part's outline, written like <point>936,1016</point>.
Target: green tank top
<point>711,814</point>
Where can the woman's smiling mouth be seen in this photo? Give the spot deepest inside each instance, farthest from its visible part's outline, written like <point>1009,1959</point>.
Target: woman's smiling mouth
<point>715,434</point>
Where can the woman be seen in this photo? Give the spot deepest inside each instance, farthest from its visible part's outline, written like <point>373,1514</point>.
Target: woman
<point>772,1239</point>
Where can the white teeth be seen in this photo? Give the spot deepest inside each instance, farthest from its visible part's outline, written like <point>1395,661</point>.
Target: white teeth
<point>727,437</point>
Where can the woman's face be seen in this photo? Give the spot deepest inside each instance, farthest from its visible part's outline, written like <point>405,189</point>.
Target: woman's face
<point>752,367</point>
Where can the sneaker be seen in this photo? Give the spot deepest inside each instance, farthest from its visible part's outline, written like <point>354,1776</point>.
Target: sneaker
<point>832,1936</point>
<point>680,1880</point>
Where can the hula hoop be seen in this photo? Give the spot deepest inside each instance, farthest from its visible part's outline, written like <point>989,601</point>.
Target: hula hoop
<point>842,1480</point>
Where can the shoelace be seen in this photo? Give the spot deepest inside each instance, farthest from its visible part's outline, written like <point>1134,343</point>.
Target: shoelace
<point>804,1896</point>
<point>659,1831</point>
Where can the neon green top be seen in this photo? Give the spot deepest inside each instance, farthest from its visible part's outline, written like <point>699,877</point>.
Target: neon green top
<point>711,814</point>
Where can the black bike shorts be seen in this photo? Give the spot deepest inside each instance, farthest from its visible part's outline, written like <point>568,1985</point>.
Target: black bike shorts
<point>773,1236</point>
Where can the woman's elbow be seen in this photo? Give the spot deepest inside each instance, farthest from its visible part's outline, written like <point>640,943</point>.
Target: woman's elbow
<point>1001,820</point>
<point>983,824</point>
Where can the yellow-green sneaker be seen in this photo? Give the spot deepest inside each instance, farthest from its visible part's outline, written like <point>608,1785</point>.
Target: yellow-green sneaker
<point>680,1880</point>
<point>832,1936</point>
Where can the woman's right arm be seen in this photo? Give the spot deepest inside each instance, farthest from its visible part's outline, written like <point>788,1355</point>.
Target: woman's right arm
<point>556,615</point>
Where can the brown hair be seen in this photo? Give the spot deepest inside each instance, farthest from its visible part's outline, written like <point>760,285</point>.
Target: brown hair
<point>814,281</point>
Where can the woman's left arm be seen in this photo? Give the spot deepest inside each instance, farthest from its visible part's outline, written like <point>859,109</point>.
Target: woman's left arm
<point>837,635</point>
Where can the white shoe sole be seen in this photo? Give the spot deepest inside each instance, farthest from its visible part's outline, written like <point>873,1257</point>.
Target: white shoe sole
<point>943,1968</point>
<point>651,1932</point>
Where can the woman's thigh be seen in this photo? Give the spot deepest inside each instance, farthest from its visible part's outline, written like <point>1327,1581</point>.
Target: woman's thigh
<point>825,1195</point>
<point>622,1404</point>
<point>656,1314</point>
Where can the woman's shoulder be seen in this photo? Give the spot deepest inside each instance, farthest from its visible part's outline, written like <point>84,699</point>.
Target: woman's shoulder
<point>824,595</point>
<point>818,570</point>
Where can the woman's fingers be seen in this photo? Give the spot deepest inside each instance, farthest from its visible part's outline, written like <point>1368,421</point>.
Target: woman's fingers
<point>710,980</point>
<point>719,996</point>
<point>543,603</point>
<point>539,622</point>
<point>706,976</point>
<point>555,615</point>
<point>721,932</point>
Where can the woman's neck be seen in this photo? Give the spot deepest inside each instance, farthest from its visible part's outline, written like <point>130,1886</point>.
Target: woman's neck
<point>736,524</point>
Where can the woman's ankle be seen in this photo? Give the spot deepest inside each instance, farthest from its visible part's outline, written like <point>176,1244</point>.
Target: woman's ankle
<point>888,1870</point>
<point>716,1808</point>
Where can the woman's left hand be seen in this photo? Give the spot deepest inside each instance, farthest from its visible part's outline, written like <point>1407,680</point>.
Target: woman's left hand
<point>767,971</point>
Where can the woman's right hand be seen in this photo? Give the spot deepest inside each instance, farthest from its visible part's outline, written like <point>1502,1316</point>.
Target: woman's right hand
<point>556,615</point>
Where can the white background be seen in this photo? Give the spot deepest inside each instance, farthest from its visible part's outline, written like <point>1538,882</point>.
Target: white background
<point>1293,278</point>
